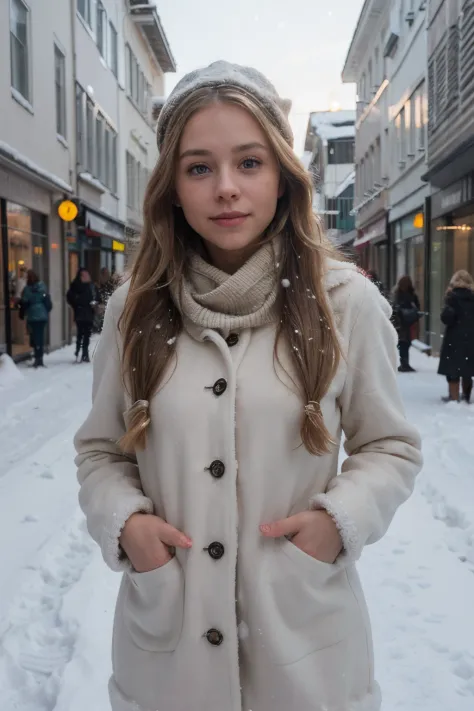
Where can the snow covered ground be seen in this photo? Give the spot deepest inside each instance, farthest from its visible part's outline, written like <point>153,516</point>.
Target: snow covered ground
<point>57,597</point>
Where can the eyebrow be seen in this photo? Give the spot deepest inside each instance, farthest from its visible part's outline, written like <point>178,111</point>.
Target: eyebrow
<point>237,149</point>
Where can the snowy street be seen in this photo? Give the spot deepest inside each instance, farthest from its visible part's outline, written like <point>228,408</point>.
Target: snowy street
<point>57,596</point>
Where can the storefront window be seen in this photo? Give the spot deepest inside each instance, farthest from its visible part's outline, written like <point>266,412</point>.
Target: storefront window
<point>27,249</point>
<point>440,275</point>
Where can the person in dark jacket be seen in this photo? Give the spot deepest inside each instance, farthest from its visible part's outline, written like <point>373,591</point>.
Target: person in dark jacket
<point>82,297</point>
<point>36,305</point>
<point>406,313</point>
<point>457,352</point>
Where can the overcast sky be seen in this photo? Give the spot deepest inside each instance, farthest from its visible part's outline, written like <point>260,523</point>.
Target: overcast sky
<point>301,45</point>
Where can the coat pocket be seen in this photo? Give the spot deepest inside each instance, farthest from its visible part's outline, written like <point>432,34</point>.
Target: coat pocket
<point>154,607</point>
<point>306,605</point>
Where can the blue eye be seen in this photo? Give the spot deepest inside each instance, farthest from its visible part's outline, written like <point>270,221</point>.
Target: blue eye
<point>250,163</point>
<point>198,169</point>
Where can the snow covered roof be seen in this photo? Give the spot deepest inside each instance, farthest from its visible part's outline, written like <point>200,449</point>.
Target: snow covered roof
<point>333,124</point>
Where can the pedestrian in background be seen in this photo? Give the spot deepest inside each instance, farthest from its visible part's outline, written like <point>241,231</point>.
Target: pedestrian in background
<point>236,536</point>
<point>107,285</point>
<point>36,305</point>
<point>457,351</point>
<point>406,314</point>
<point>83,298</point>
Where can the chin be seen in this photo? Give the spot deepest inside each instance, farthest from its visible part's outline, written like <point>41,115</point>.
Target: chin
<point>230,240</point>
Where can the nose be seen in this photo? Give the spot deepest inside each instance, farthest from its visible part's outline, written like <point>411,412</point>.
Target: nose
<point>227,186</point>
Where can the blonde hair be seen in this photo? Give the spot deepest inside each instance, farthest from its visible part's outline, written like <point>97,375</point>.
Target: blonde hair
<point>461,280</point>
<point>151,322</point>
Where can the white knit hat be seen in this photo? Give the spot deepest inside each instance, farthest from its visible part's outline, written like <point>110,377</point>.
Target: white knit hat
<point>224,74</point>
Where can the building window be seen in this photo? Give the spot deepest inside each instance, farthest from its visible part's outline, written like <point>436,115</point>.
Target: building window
<point>60,88</point>
<point>410,126</point>
<point>99,148</point>
<point>376,69</point>
<point>19,28</point>
<point>114,171</point>
<point>84,10</point>
<point>113,59</point>
<point>90,136</point>
<point>130,181</point>
<point>138,88</point>
<point>420,116</point>
<point>80,125</point>
<point>341,151</point>
<point>101,28</point>
<point>107,156</point>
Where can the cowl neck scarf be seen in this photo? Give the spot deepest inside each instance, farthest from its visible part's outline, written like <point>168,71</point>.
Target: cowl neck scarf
<point>211,298</point>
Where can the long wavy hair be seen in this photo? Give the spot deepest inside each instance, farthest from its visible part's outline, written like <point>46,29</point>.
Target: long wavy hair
<point>151,322</point>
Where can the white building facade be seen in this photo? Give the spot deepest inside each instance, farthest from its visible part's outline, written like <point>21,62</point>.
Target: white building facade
<point>366,66</point>
<point>329,156</point>
<point>76,82</point>
<point>407,124</point>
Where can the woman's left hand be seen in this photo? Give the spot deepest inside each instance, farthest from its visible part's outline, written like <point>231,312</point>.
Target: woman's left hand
<point>314,532</point>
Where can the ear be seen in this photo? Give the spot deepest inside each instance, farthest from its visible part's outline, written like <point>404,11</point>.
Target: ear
<point>157,104</point>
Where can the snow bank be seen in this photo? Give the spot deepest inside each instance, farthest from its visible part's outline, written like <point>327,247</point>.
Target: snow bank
<point>9,372</point>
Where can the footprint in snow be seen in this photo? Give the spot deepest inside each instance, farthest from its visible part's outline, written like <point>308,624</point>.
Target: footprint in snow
<point>47,475</point>
<point>30,519</point>
<point>464,670</point>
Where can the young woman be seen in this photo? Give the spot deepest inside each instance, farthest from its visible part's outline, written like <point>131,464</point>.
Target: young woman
<point>83,299</point>
<point>36,304</point>
<point>457,352</point>
<point>228,366</point>
<point>406,313</point>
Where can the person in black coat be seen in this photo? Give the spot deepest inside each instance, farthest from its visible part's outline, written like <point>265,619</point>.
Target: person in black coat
<point>457,352</point>
<point>406,313</point>
<point>82,297</point>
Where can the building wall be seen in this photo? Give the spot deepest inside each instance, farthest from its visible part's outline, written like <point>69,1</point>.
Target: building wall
<point>94,74</point>
<point>20,124</point>
<point>30,129</point>
<point>138,137</point>
<point>407,98</point>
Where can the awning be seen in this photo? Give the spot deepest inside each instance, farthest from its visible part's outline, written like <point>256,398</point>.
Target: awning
<point>98,224</point>
<point>374,233</point>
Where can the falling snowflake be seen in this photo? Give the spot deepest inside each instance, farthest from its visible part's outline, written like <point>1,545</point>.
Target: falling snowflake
<point>285,283</point>
<point>171,341</point>
<point>158,326</point>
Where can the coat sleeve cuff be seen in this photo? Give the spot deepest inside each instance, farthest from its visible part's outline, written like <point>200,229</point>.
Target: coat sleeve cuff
<point>112,551</point>
<point>345,525</point>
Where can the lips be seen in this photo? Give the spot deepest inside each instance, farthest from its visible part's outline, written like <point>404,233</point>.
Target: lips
<point>230,219</point>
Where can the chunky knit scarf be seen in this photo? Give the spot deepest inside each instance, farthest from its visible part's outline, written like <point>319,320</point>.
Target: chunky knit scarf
<point>210,298</point>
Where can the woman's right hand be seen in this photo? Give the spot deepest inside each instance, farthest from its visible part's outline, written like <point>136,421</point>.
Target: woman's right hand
<point>147,539</point>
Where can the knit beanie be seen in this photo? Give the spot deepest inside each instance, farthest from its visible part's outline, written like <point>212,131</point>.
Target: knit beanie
<point>224,74</point>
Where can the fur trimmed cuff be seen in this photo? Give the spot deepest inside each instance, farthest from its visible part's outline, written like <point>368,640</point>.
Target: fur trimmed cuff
<point>345,525</point>
<point>111,550</point>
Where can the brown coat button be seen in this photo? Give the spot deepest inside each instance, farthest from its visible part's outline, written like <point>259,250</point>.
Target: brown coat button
<point>214,637</point>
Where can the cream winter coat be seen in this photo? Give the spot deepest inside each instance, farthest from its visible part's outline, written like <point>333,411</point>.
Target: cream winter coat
<point>239,622</point>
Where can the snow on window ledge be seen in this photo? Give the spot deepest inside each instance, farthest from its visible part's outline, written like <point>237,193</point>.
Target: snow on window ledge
<point>22,101</point>
<point>62,141</point>
<point>12,154</point>
<point>86,177</point>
